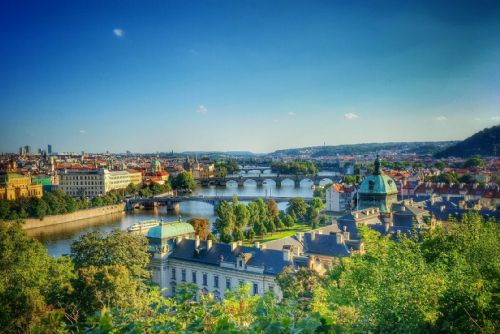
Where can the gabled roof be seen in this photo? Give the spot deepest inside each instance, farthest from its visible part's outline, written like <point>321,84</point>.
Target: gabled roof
<point>270,259</point>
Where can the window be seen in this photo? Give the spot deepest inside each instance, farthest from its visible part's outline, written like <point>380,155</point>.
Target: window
<point>183,275</point>
<point>240,263</point>
<point>194,276</point>
<point>173,273</point>
<point>242,282</point>
<point>216,281</point>
<point>271,288</point>
<point>255,289</point>
<point>228,283</point>
<point>205,279</point>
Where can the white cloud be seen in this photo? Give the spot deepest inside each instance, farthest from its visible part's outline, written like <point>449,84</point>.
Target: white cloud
<point>276,120</point>
<point>350,116</point>
<point>495,118</point>
<point>202,109</point>
<point>441,118</point>
<point>83,131</point>
<point>118,32</point>
<point>477,119</point>
<point>291,113</point>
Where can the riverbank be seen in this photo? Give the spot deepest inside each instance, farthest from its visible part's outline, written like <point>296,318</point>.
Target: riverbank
<point>32,223</point>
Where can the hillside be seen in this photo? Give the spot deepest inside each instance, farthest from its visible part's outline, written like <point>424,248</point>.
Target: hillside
<point>484,143</point>
<point>401,147</point>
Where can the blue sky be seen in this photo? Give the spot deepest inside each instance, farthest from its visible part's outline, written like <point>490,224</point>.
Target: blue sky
<point>255,75</point>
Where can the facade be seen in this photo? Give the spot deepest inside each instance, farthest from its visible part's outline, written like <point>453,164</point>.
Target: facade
<point>94,182</point>
<point>377,191</point>
<point>214,267</point>
<point>14,186</point>
<point>82,182</point>
<point>339,197</point>
<point>135,176</point>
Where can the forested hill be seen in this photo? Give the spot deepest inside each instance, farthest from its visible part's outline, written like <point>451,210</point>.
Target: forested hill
<point>402,147</point>
<point>485,143</point>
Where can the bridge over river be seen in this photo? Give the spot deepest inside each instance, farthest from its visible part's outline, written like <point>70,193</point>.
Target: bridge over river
<point>261,179</point>
<point>172,202</point>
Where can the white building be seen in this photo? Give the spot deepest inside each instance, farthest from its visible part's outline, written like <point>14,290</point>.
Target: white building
<point>214,267</point>
<point>339,197</point>
<point>92,182</point>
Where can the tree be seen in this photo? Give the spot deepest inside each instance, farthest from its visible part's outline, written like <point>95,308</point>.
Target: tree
<point>115,248</point>
<point>26,279</point>
<point>289,221</point>
<point>474,161</point>
<point>184,181</point>
<point>280,225</point>
<point>242,215</point>
<point>201,227</point>
<point>298,207</point>
<point>251,234</point>
<point>440,165</point>
<point>132,189</point>
<point>273,210</point>
<point>225,221</point>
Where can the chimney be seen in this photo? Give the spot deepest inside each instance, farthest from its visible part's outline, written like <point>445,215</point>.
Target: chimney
<point>340,238</point>
<point>347,236</point>
<point>178,239</point>
<point>209,244</point>
<point>233,246</point>
<point>403,208</point>
<point>196,241</point>
<point>344,228</point>
<point>356,215</point>
<point>240,243</point>
<point>287,256</point>
<point>387,226</point>
<point>313,236</point>
<point>300,237</point>
<point>257,244</point>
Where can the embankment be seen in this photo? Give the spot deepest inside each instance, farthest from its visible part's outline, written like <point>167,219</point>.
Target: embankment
<point>71,217</point>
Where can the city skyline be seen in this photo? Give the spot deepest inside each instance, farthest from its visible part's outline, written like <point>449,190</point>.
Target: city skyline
<point>244,76</point>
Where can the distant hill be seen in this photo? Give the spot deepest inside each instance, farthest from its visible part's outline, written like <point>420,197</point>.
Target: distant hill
<point>485,143</point>
<point>401,147</point>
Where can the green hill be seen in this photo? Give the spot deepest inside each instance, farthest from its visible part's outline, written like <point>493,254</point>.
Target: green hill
<point>485,143</point>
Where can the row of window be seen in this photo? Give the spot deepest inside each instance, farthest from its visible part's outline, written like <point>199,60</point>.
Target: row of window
<point>194,279</point>
<point>82,183</point>
<point>81,177</point>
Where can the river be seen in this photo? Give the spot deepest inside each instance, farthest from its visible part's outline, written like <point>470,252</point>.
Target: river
<point>57,239</point>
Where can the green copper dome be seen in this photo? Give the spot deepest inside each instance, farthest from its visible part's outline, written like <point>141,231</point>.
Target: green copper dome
<point>378,182</point>
<point>170,230</point>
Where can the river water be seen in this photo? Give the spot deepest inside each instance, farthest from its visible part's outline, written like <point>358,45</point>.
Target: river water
<point>57,239</point>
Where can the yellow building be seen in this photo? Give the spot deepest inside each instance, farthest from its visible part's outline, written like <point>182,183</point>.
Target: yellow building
<point>14,186</point>
<point>135,176</point>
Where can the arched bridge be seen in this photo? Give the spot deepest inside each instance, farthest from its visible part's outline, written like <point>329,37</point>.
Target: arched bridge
<point>172,203</point>
<point>261,178</point>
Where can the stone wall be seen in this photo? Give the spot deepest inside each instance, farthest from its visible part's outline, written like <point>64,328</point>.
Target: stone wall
<point>70,217</point>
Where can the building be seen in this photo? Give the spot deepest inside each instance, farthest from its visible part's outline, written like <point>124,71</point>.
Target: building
<point>135,176</point>
<point>82,182</point>
<point>214,267</point>
<point>14,186</point>
<point>44,180</point>
<point>94,182</point>
<point>377,191</point>
<point>339,197</point>
<point>49,149</point>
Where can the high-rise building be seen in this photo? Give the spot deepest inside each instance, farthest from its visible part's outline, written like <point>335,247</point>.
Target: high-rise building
<point>22,151</point>
<point>49,149</point>
<point>27,150</point>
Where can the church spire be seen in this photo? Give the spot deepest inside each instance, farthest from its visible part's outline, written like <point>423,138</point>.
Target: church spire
<point>377,170</point>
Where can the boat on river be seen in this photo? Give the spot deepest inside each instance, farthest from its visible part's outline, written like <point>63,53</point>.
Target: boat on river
<point>144,226</point>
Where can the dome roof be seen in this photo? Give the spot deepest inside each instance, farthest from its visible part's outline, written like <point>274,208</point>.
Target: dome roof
<point>378,184</point>
<point>170,230</point>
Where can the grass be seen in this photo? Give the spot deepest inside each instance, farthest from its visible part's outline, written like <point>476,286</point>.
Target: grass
<point>280,234</point>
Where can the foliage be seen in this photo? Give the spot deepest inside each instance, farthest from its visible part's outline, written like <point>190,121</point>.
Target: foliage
<point>297,207</point>
<point>352,179</point>
<point>450,177</point>
<point>184,181</point>
<point>201,227</point>
<point>295,168</point>
<point>474,161</point>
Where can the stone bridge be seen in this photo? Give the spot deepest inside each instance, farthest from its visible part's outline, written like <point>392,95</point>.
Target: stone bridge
<point>261,178</point>
<point>172,203</point>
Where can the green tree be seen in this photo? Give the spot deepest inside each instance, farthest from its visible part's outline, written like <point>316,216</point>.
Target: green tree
<point>474,161</point>
<point>298,207</point>
<point>184,181</point>
<point>225,221</point>
<point>114,248</point>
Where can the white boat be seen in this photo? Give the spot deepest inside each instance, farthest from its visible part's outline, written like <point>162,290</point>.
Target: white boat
<point>143,225</point>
